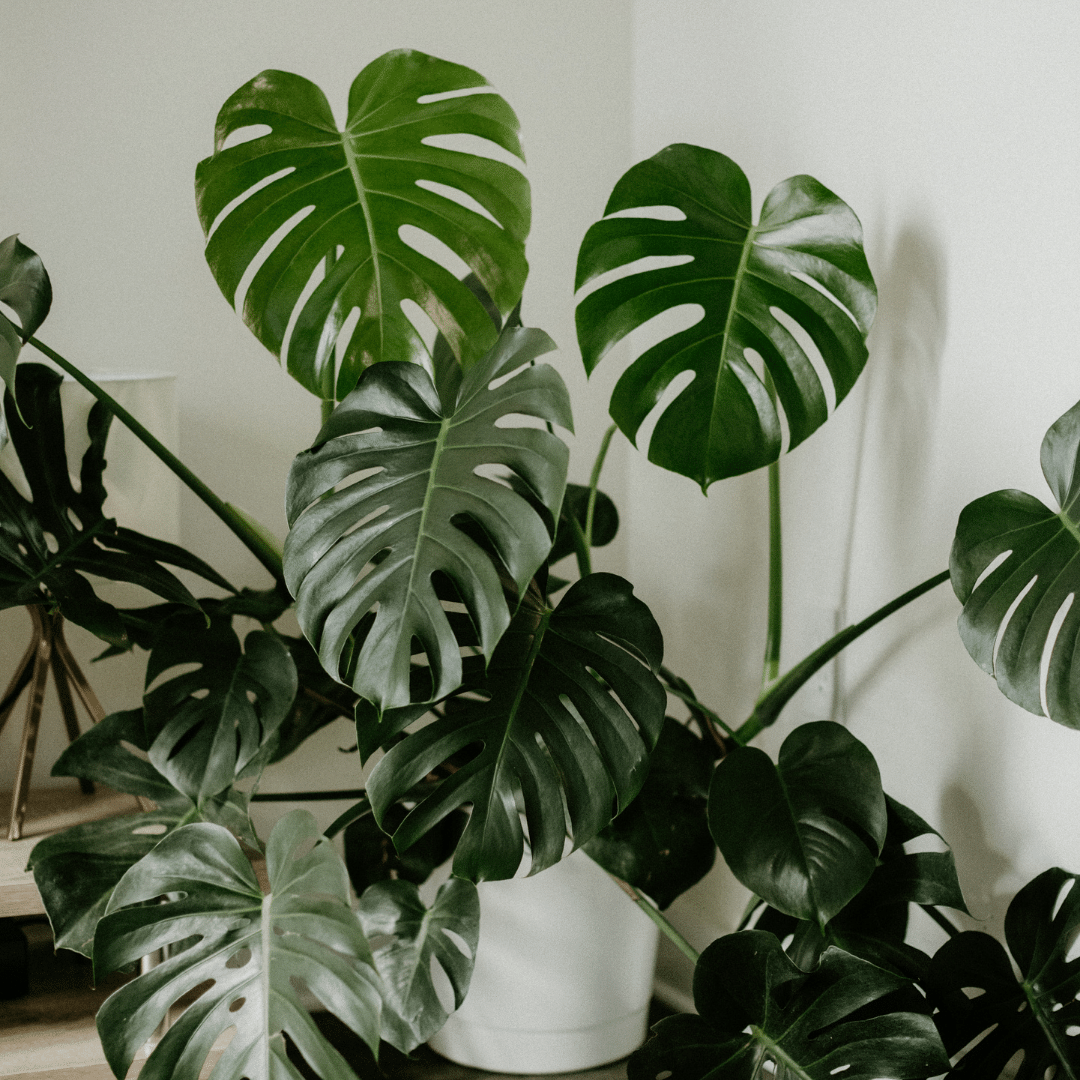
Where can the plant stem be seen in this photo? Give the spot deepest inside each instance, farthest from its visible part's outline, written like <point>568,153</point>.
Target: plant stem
<point>666,928</point>
<point>327,408</point>
<point>770,670</point>
<point>249,536</point>
<point>581,547</point>
<point>594,481</point>
<point>701,712</point>
<point>772,702</point>
<point>941,919</point>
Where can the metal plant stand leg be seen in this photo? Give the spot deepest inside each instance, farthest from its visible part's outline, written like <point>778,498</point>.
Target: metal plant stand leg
<point>47,649</point>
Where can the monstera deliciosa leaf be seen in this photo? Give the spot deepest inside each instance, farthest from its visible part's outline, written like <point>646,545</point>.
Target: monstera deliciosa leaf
<point>573,707</point>
<point>804,258</point>
<point>382,541</point>
<point>1010,615</point>
<point>48,543</point>
<point>253,947</point>
<point>25,288</point>
<point>348,195</point>
<point>803,834</point>
<point>759,1016</point>
<point>447,933</point>
<point>983,1006</point>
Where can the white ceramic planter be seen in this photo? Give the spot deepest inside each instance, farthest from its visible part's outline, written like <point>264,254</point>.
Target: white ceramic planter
<point>563,975</point>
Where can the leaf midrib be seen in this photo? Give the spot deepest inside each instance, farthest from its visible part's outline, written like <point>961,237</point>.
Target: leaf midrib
<point>369,223</point>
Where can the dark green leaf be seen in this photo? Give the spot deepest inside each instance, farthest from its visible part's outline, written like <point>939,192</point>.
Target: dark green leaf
<point>379,541</point>
<point>574,709</point>
<point>575,505</point>
<point>25,288</point>
<point>805,833</point>
<point>362,186</point>
<point>725,421</point>
<point>1009,614</point>
<point>834,1021</point>
<point>412,1012</point>
<point>251,946</point>
<point>971,982</point>
<point>661,842</point>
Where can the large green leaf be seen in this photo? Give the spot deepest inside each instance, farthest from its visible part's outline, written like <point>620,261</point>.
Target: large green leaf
<point>804,257</point>
<point>359,188</point>
<point>417,464</point>
<point>573,707</point>
<point>418,935</point>
<point>661,842</point>
<point>25,288</point>
<point>1009,615</point>
<point>805,833</point>
<point>759,1015</point>
<point>971,981</point>
<point>48,544</point>
<point>252,946</point>
<point>213,725</point>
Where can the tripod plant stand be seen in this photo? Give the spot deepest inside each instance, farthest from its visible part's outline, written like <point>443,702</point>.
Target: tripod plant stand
<point>47,649</point>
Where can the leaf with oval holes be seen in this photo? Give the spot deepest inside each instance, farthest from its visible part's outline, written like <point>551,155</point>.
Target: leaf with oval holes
<point>1010,615</point>
<point>50,542</point>
<point>416,463</point>
<point>760,1015</point>
<point>76,870</point>
<point>412,1011</point>
<point>254,948</point>
<point>26,290</point>
<point>803,258</point>
<point>216,724</point>
<point>345,197</point>
<point>803,834</point>
<point>972,984</point>
<point>573,709</point>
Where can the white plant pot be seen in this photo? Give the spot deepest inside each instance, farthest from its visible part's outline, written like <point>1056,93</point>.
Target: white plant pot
<point>563,975</point>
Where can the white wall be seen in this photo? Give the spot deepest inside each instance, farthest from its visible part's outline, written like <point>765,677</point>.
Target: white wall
<point>951,130</point>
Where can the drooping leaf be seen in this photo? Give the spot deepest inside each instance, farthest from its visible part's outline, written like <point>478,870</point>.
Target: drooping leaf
<point>804,833</point>
<point>216,724</point>
<point>412,1012</point>
<point>1009,615</point>
<point>834,1021</point>
<point>804,258</point>
<point>575,505</point>
<point>349,194</point>
<point>573,708</point>
<point>661,842</point>
<point>971,982</point>
<point>378,542</point>
<point>49,543</point>
<point>251,946</point>
<point>25,288</point>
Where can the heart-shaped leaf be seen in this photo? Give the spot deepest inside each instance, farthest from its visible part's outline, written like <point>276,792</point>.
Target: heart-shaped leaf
<point>971,982</point>
<point>216,724</point>
<point>759,1015</point>
<point>573,708</point>
<point>48,544</point>
<point>804,259</point>
<point>805,833</point>
<point>418,463</point>
<point>344,198</point>
<point>251,946</point>
<point>1010,614</point>
<point>25,288</point>
<point>418,935</point>
<point>661,842</point>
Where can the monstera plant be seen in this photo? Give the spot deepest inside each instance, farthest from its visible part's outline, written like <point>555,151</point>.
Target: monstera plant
<point>512,710</point>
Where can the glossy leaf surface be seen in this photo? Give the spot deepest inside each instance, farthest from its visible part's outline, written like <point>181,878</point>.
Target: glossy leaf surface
<point>801,1026</point>
<point>49,543</point>
<point>804,833</point>
<point>803,258</point>
<point>574,709</point>
<point>412,1012</point>
<point>661,842</point>
<point>216,724</point>
<point>251,946</point>
<point>1009,615</point>
<point>348,195</point>
<point>25,288</point>
<point>971,981</point>
<point>418,464</point>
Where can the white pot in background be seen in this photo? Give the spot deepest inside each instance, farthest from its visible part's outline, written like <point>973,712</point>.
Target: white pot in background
<point>563,975</point>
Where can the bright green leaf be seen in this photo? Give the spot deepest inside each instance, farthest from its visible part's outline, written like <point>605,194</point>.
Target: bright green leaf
<point>26,290</point>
